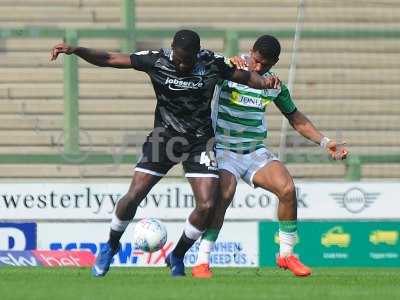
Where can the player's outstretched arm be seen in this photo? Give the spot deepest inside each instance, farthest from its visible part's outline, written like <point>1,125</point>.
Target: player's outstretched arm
<point>307,129</point>
<point>253,80</point>
<point>95,57</point>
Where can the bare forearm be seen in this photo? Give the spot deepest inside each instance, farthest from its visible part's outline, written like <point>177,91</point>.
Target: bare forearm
<point>305,127</point>
<point>95,57</point>
<point>309,131</point>
<point>254,80</point>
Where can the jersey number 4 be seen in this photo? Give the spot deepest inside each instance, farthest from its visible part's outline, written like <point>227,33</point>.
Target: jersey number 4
<point>208,159</point>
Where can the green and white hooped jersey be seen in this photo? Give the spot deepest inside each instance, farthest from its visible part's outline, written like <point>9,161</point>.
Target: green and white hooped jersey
<point>238,114</point>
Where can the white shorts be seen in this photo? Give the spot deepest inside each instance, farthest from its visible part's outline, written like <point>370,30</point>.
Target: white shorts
<point>244,165</point>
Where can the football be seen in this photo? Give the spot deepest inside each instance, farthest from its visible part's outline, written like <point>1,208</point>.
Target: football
<point>149,235</point>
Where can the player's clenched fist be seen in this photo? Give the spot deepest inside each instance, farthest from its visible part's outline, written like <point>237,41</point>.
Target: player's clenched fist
<point>61,48</point>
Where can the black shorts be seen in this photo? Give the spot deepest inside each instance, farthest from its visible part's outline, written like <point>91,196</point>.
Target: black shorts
<point>165,148</point>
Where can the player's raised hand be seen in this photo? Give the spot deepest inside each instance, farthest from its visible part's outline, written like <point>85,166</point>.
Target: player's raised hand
<point>61,48</point>
<point>336,150</point>
<point>239,62</point>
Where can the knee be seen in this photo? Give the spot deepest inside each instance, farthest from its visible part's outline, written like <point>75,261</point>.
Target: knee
<point>206,207</point>
<point>287,192</point>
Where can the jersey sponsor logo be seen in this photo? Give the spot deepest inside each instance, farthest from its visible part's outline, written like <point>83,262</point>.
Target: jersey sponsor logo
<point>246,100</point>
<point>185,83</point>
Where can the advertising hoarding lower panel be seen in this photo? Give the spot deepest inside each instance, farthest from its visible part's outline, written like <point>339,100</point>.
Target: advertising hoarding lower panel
<point>337,243</point>
<point>17,236</point>
<point>237,244</point>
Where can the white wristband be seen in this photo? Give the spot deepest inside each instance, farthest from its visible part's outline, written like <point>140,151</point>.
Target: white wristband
<point>324,142</point>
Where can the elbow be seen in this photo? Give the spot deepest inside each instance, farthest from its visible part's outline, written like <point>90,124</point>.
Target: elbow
<point>295,125</point>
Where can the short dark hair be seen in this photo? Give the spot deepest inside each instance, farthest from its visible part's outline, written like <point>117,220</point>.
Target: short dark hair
<point>187,40</point>
<point>268,46</point>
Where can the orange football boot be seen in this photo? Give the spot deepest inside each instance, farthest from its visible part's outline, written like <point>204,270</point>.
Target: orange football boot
<point>202,271</point>
<point>292,263</point>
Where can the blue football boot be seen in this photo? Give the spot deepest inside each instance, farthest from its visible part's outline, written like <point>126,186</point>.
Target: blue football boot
<point>103,261</point>
<point>176,265</point>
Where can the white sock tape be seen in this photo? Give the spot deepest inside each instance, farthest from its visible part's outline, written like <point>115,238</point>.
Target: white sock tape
<point>192,232</point>
<point>117,224</point>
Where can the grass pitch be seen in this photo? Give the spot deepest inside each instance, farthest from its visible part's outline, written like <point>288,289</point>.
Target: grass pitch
<point>228,283</point>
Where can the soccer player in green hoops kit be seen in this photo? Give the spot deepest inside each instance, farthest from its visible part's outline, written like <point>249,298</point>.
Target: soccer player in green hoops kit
<point>240,128</point>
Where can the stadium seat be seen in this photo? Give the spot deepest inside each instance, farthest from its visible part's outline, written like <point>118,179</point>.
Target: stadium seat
<point>347,87</point>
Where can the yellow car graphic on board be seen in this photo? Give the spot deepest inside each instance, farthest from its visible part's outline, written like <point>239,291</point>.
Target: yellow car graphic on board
<point>389,237</point>
<point>336,237</point>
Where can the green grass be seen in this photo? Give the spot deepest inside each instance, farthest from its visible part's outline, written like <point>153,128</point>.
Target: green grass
<point>228,283</point>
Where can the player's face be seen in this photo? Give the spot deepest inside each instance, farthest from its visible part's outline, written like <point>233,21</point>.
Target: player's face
<point>184,61</point>
<point>258,63</point>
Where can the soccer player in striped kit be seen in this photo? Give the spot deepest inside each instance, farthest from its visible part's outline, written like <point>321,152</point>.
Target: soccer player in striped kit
<point>240,128</point>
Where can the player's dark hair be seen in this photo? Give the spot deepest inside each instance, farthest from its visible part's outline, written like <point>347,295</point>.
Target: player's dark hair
<point>187,40</point>
<point>268,46</point>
